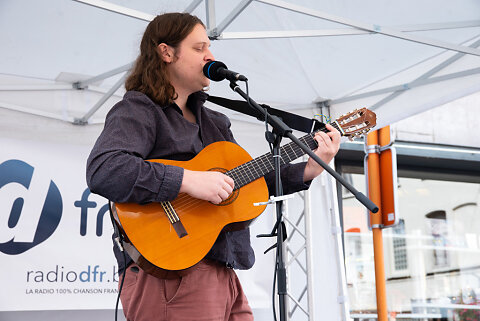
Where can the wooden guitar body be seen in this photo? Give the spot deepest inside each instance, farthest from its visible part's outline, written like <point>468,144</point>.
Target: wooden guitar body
<point>149,231</point>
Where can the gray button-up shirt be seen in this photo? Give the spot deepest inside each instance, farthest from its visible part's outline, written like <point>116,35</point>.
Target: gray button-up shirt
<point>137,129</point>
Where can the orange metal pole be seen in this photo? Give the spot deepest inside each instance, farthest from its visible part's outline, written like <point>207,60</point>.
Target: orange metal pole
<point>387,178</point>
<point>374,193</point>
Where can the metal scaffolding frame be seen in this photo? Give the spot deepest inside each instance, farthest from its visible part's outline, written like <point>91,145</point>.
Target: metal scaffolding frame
<point>299,249</point>
<point>299,255</point>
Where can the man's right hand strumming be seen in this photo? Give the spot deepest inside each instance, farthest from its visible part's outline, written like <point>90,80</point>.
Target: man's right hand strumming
<point>214,187</point>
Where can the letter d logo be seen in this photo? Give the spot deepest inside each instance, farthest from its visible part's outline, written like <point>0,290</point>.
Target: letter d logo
<point>30,207</point>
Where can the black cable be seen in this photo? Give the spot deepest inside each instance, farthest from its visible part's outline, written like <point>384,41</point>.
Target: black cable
<point>274,283</point>
<point>119,240</point>
<point>121,285</point>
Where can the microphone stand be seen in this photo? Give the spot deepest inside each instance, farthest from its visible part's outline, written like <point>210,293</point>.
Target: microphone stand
<point>280,129</point>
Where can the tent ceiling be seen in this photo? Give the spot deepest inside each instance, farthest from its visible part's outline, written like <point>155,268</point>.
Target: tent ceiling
<point>398,58</point>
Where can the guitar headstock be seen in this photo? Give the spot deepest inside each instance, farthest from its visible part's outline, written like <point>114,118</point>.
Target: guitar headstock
<point>357,122</point>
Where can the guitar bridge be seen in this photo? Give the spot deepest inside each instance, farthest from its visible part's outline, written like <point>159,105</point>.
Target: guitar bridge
<point>174,219</point>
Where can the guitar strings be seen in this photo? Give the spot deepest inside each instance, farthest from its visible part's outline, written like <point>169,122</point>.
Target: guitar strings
<point>169,212</point>
<point>251,170</point>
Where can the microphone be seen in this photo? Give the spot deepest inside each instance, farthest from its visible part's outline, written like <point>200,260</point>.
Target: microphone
<point>217,71</point>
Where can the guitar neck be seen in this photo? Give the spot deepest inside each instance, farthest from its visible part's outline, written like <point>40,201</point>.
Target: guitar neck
<point>262,165</point>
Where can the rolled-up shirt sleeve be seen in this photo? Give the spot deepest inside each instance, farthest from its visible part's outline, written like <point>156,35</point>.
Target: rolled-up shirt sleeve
<point>292,178</point>
<point>116,167</point>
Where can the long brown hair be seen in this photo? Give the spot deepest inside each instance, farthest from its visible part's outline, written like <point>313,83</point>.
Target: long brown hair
<point>149,74</point>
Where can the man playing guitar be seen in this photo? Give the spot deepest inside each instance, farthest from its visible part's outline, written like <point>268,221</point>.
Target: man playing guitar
<point>162,116</point>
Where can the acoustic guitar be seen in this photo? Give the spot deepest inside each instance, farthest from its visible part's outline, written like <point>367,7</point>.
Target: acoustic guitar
<point>175,235</point>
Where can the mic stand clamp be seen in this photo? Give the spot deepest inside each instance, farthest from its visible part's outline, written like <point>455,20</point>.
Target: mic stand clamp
<point>274,199</point>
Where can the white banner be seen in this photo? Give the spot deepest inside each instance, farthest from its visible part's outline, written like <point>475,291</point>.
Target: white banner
<point>55,236</point>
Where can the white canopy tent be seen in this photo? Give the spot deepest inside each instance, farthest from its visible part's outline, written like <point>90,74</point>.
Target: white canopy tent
<point>66,60</point>
<point>396,58</point>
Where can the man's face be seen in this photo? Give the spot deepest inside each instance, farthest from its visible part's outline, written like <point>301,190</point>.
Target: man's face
<point>186,70</point>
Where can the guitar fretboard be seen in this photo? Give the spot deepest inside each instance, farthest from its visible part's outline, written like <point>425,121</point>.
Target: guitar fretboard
<point>262,165</point>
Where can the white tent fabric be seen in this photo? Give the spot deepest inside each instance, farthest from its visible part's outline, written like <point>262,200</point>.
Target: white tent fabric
<point>50,46</point>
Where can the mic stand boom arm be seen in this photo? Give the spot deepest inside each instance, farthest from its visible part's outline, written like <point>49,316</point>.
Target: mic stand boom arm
<point>283,130</point>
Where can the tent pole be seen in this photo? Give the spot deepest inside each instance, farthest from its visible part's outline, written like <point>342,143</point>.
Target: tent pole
<point>84,119</point>
<point>337,31</point>
<point>84,83</point>
<point>216,31</point>
<point>407,86</point>
<point>371,27</point>
<point>210,14</point>
<point>192,6</point>
<point>105,5</point>
<point>420,81</point>
<point>426,76</point>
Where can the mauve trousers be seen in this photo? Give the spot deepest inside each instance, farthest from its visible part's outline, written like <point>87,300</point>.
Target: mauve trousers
<point>210,291</point>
